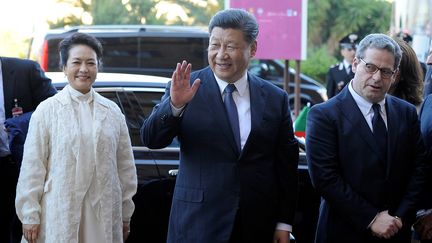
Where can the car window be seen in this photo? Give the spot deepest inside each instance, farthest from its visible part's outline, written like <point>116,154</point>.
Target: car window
<point>120,52</point>
<point>136,105</point>
<point>164,53</point>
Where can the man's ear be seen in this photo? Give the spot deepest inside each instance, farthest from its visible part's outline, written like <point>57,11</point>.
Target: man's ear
<point>253,48</point>
<point>354,65</point>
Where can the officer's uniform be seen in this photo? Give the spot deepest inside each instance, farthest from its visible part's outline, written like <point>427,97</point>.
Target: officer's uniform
<point>340,74</point>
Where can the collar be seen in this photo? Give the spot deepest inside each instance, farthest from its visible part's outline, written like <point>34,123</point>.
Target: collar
<point>364,105</point>
<point>241,84</point>
<point>346,64</point>
<point>78,96</point>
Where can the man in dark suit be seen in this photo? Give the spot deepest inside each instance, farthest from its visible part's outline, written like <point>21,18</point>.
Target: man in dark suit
<point>341,73</point>
<point>237,179</point>
<point>365,152</point>
<point>24,86</point>
<point>423,225</point>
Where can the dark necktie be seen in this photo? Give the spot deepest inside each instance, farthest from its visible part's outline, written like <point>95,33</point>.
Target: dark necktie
<point>379,130</point>
<point>349,69</point>
<point>231,109</point>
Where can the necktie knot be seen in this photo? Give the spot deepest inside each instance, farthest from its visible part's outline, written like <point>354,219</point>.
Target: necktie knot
<point>376,108</point>
<point>230,88</point>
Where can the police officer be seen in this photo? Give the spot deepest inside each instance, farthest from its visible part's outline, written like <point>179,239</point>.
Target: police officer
<point>340,74</point>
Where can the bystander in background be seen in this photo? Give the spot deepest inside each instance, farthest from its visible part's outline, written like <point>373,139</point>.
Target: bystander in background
<point>408,84</point>
<point>341,73</point>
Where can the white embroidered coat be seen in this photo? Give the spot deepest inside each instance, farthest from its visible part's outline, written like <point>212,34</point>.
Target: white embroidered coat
<point>45,191</point>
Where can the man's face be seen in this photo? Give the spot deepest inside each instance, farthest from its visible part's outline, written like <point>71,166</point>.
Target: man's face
<point>348,54</point>
<point>229,53</point>
<point>373,86</point>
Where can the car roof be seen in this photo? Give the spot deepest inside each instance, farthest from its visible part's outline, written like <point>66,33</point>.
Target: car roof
<point>115,80</point>
<point>153,30</point>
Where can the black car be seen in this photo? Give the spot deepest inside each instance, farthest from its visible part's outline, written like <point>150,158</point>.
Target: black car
<point>155,50</point>
<point>136,96</point>
<point>311,91</point>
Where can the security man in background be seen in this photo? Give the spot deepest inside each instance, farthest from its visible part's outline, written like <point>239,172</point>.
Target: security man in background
<point>340,74</point>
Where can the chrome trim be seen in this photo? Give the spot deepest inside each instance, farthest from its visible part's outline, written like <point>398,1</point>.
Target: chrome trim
<point>120,89</point>
<point>145,149</point>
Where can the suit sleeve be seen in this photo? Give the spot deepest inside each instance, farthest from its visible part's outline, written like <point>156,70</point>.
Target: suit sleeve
<point>421,174</point>
<point>40,84</point>
<point>324,167</point>
<point>287,167</point>
<point>160,128</point>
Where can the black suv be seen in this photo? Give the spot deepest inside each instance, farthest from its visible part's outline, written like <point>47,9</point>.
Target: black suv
<point>155,50</point>
<point>136,96</point>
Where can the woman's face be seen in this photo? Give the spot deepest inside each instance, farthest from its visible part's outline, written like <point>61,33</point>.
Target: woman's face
<point>81,68</point>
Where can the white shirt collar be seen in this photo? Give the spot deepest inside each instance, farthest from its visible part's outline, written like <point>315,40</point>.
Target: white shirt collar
<point>241,84</point>
<point>346,64</point>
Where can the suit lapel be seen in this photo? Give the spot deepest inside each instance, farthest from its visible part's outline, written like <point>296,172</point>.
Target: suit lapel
<point>354,116</point>
<point>258,97</point>
<point>392,127</point>
<point>210,93</point>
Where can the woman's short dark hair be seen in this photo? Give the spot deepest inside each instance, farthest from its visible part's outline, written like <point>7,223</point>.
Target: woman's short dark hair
<point>79,39</point>
<point>238,19</point>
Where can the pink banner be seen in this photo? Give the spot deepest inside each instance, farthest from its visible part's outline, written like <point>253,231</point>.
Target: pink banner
<point>282,27</point>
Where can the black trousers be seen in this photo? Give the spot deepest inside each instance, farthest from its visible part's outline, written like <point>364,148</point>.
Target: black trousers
<point>11,229</point>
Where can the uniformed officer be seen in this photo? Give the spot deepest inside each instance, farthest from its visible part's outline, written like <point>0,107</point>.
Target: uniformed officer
<point>340,74</point>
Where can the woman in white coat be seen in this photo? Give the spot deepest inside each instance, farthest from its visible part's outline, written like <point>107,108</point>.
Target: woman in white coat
<point>78,175</point>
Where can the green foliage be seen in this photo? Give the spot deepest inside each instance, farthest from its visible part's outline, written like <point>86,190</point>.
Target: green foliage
<point>189,12</point>
<point>318,63</point>
<point>335,19</point>
<point>330,20</point>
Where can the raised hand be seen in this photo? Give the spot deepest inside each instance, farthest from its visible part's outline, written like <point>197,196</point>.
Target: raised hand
<point>181,91</point>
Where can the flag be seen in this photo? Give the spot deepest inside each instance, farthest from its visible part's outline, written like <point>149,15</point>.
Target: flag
<point>300,122</point>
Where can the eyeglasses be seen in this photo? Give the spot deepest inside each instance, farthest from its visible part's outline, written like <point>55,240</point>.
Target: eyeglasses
<point>372,68</point>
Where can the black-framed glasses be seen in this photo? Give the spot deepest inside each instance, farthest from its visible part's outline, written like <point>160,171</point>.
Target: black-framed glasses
<point>372,68</point>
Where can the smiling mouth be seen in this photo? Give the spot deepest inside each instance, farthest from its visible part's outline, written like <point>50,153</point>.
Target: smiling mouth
<point>223,65</point>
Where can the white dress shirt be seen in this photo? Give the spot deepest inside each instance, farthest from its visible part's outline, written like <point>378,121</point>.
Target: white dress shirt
<point>366,107</point>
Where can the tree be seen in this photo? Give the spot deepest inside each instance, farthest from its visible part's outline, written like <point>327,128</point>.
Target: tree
<point>160,12</point>
<point>335,19</point>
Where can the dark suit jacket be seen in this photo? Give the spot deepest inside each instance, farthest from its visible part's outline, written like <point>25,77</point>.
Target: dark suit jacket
<point>214,179</point>
<point>25,81</point>
<point>426,129</point>
<point>348,171</point>
<point>335,75</point>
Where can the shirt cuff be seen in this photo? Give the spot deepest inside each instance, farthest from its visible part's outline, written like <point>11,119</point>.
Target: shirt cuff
<point>373,220</point>
<point>284,227</point>
<point>177,112</point>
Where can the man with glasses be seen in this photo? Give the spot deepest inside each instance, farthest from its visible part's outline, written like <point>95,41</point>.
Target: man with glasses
<point>340,74</point>
<point>365,153</point>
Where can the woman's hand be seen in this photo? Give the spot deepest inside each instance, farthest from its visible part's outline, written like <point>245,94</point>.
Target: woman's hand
<point>31,232</point>
<point>126,230</point>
